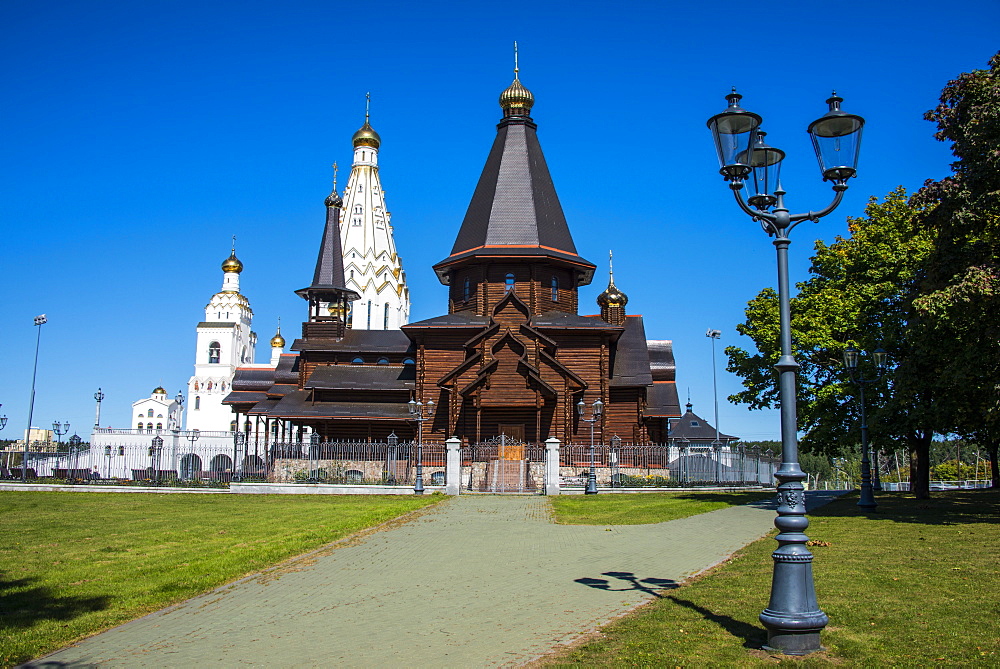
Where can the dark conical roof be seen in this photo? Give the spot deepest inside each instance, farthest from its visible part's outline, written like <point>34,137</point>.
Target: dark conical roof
<point>328,279</point>
<point>515,210</point>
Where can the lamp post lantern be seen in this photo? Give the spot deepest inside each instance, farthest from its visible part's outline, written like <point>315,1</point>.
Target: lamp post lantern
<point>420,412</point>
<point>852,357</point>
<point>596,411</point>
<point>39,322</point>
<point>793,618</point>
<point>59,429</point>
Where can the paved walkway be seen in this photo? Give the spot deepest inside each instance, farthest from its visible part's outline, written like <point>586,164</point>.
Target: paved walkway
<point>476,581</point>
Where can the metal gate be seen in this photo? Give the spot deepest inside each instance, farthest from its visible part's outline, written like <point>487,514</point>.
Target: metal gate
<point>503,464</point>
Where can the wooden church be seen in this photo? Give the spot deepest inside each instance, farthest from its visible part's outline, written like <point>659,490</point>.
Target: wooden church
<point>511,356</point>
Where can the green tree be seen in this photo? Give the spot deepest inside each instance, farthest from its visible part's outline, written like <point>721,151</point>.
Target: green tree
<point>958,307</point>
<point>860,292</point>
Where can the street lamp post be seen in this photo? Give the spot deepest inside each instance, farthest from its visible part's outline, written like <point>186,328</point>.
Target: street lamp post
<point>793,618</point>
<point>73,456</point>
<point>392,441</point>
<point>99,397</point>
<point>154,459</point>
<point>616,444</point>
<point>192,436</point>
<point>596,411</point>
<point>59,429</point>
<point>420,412</point>
<point>314,442</point>
<point>39,322</point>
<point>3,424</point>
<point>717,444</point>
<point>851,358</point>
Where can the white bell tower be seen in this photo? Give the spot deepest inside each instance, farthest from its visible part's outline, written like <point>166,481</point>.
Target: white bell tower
<point>224,342</point>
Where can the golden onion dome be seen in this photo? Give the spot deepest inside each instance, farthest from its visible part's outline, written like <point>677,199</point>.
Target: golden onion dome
<point>517,98</point>
<point>366,136</point>
<point>232,264</point>
<point>277,341</point>
<point>612,296</point>
<point>159,390</point>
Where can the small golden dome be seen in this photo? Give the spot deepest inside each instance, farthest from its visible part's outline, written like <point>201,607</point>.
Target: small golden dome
<point>612,297</point>
<point>517,98</point>
<point>159,390</point>
<point>366,136</point>
<point>232,264</point>
<point>277,341</point>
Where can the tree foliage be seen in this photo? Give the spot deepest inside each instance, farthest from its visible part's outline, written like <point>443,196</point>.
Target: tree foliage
<point>858,293</point>
<point>959,301</point>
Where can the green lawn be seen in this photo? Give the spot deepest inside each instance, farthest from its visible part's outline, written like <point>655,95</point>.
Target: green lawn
<point>913,585</point>
<point>645,507</point>
<point>73,564</point>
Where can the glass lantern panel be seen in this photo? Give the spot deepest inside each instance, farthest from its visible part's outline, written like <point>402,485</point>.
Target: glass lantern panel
<point>763,179</point>
<point>837,150</point>
<point>732,133</point>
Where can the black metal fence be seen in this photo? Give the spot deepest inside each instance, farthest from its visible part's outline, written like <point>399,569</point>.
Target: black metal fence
<point>654,466</point>
<point>357,462</point>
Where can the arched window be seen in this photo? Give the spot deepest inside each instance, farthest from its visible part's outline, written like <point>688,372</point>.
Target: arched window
<point>159,415</point>
<point>358,209</point>
<point>159,426</point>
<point>409,361</point>
<point>149,414</point>
<point>139,426</point>
<point>467,291</point>
<point>214,352</point>
<point>508,282</point>
<point>555,289</point>
<point>197,403</point>
<point>383,361</point>
<point>121,450</point>
<point>358,361</point>
<point>149,427</point>
<point>232,426</point>
<point>385,317</point>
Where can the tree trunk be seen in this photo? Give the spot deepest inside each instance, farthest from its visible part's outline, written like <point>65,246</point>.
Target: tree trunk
<point>920,463</point>
<point>991,448</point>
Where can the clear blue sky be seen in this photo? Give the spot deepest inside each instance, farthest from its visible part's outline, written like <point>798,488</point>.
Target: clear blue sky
<point>139,137</point>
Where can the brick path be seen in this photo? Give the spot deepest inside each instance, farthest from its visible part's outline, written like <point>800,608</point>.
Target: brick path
<point>476,581</point>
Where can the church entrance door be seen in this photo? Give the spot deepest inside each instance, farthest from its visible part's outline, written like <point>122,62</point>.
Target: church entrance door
<point>511,446</point>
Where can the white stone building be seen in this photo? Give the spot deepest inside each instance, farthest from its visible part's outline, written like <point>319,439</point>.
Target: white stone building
<point>371,266</point>
<point>156,412</point>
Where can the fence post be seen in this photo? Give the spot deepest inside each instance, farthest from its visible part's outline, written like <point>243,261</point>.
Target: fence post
<point>552,466</point>
<point>453,468</point>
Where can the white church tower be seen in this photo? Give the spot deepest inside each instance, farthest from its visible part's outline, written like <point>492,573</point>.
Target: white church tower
<point>225,342</point>
<point>371,266</point>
